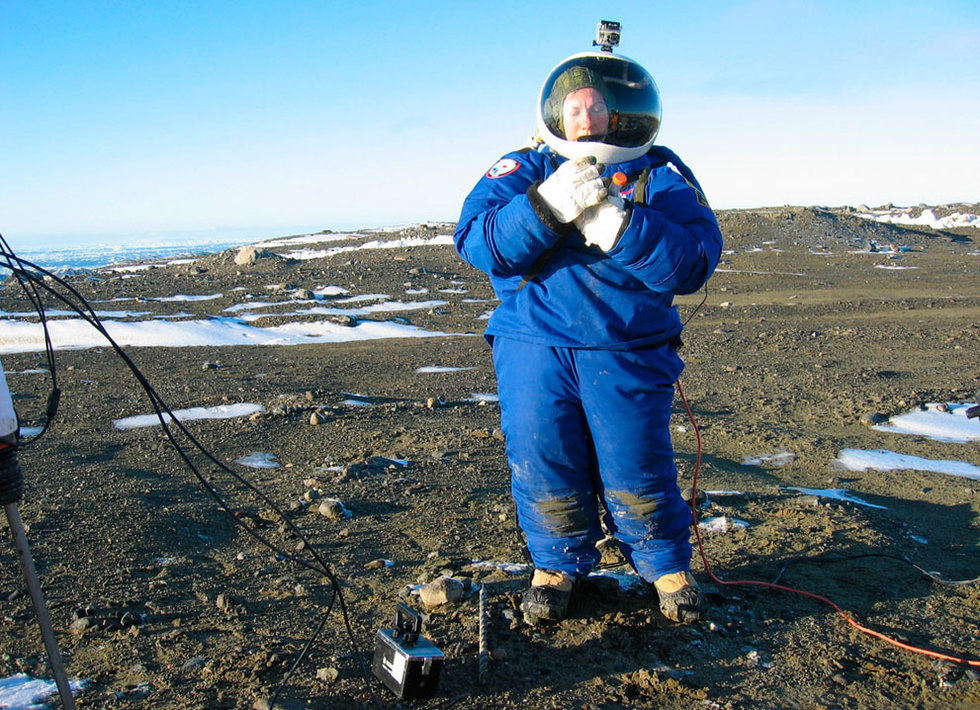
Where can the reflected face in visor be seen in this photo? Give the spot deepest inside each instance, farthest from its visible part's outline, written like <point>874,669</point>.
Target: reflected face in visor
<point>599,105</point>
<point>584,114</point>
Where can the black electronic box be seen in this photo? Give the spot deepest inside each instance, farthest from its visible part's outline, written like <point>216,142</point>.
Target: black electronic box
<point>407,663</point>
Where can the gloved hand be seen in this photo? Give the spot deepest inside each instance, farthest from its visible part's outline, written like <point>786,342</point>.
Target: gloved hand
<point>600,225</point>
<point>572,188</point>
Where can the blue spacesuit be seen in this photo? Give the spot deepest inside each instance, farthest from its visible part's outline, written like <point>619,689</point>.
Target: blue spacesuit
<point>584,346</point>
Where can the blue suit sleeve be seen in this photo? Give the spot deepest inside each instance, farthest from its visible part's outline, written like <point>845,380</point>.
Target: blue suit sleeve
<point>672,243</point>
<point>504,227</point>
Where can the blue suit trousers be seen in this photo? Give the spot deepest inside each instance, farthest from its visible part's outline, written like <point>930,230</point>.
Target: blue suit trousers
<point>587,426</point>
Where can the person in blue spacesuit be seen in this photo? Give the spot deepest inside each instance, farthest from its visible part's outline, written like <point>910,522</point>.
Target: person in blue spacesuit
<point>584,339</point>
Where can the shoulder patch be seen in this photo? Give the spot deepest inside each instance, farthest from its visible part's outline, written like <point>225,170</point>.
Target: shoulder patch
<point>504,166</point>
<point>702,200</point>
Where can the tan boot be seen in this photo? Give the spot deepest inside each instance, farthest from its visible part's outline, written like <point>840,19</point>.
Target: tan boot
<point>548,596</point>
<point>551,578</point>
<point>680,597</point>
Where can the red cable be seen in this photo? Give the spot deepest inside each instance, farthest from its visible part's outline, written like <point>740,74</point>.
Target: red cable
<point>770,585</point>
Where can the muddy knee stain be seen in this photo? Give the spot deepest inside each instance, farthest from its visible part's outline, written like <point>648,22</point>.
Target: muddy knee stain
<point>564,515</point>
<point>632,505</point>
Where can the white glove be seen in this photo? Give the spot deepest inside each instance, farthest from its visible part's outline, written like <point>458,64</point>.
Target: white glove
<point>600,225</point>
<point>573,187</point>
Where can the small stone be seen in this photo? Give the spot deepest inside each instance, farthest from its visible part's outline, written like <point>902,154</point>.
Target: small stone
<point>688,493</point>
<point>80,625</point>
<point>444,590</point>
<point>266,704</point>
<point>328,674</point>
<point>872,418</point>
<point>333,509</point>
<point>248,255</point>
<point>316,419</point>
<point>498,654</point>
<point>193,664</point>
<point>376,564</point>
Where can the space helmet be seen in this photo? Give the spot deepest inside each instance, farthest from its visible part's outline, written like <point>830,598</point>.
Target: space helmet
<point>631,99</point>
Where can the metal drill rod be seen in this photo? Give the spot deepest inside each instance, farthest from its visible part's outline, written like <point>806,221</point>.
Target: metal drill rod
<point>482,667</point>
<point>40,608</point>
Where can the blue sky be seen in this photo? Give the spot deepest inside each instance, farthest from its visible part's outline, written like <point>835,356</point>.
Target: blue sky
<point>126,121</point>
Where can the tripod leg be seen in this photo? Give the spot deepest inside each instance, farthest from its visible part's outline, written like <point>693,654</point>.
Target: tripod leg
<point>40,608</point>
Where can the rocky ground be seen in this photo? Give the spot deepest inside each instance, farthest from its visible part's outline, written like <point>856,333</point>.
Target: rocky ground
<point>161,599</point>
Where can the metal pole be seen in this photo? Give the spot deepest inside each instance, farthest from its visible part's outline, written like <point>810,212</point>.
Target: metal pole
<point>483,634</point>
<point>40,608</point>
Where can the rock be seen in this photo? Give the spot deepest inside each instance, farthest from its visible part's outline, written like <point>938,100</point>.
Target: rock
<point>81,625</point>
<point>341,319</point>
<point>266,704</point>
<point>872,418</point>
<point>444,590</point>
<point>194,664</point>
<point>328,674</point>
<point>316,418</point>
<point>333,509</point>
<point>248,255</point>
<point>687,493</point>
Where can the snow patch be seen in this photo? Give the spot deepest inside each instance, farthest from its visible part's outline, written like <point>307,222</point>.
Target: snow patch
<point>184,415</point>
<point>258,459</point>
<point>940,422</point>
<point>884,460</point>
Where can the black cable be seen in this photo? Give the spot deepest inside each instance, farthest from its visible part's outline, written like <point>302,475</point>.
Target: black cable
<point>302,655</point>
<point>22,270</point>
<point>522,541</point>
<point>697,307</point>
<point>34,297</point>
